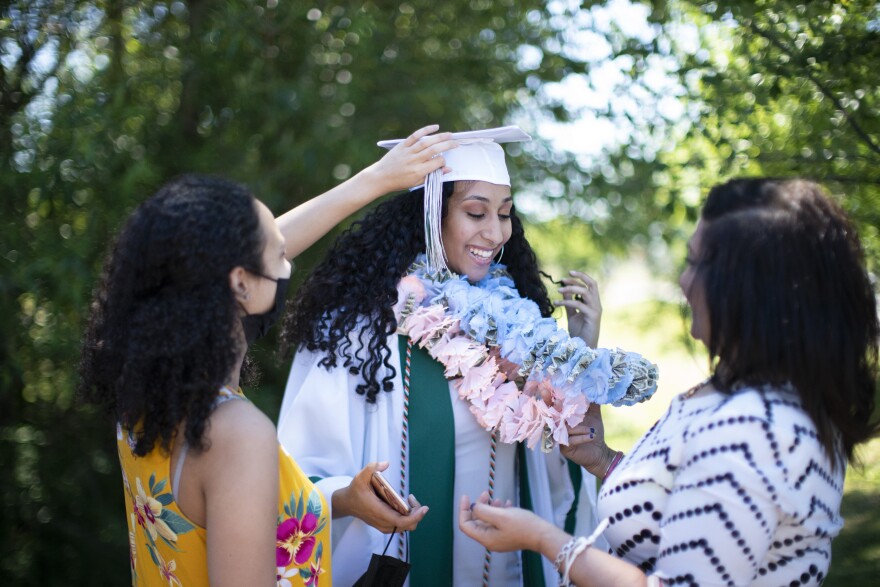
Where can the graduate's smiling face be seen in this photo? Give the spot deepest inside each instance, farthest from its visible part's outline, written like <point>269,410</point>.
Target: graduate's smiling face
<point>476,226</point>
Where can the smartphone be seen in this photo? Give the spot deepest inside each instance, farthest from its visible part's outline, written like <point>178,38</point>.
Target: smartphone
<point>387,494</point>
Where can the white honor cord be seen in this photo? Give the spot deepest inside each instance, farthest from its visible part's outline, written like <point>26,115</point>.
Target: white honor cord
<point>573,549</point>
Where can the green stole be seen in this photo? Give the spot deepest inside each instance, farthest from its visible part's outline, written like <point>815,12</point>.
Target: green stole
<point>432,432</point>
<point>432,436</point>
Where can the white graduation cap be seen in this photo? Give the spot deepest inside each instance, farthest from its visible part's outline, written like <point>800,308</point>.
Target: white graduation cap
<point>479,157</point>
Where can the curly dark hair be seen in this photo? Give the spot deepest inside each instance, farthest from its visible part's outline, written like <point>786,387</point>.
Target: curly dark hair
<point>790,300</point>
<point>162,336</point>
<point>354,288</point>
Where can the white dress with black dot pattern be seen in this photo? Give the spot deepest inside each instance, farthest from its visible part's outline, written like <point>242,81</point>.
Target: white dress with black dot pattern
<point>727,490</point>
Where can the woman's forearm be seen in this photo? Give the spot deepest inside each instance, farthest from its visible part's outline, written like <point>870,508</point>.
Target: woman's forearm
<point>404,166</point>
<point>591,567</point>
<point>304,225</point>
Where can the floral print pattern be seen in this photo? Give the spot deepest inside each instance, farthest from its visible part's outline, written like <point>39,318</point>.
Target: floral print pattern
<point>168,550</point>
<point>315,571</point>
<point>132,548</point>
<point>296,537</point>
<point>166,570</point>
<point>296,540</point>
<point>149,515</point>
<point>284,575</point>
<point>158,524</point>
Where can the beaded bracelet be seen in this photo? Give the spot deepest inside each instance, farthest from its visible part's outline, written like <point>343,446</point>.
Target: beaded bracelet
<point>566,557</point>
<point>572,549</point>
<point>612,464</point>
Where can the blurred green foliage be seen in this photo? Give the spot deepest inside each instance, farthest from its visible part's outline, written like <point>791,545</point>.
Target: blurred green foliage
<point>102,101</point>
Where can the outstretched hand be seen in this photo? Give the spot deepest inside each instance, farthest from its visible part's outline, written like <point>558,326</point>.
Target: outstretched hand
<point>580,298</point>
<point>407,164</point>
<point>360,500</point>
<point>500,528</point>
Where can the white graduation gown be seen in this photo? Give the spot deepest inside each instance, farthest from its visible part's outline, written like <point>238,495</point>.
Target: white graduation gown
<point>332,433</point>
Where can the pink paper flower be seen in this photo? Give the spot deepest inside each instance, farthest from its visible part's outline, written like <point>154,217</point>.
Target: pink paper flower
<point>525,423</point>
<point>495,406</point>
<point>542,390</point>
<point>510,369</point>
<point>478,379</point>
<point>427,322</point>
<point>410,292</point>
<point>458,354</point>
<point>565,412</point>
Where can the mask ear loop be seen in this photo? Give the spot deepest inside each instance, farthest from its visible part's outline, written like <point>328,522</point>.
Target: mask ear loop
<point>390,538</point>
<point>405,538</point>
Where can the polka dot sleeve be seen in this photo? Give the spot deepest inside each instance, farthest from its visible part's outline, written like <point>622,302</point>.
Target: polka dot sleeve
<point>722,509</point>
<point>727,490</point>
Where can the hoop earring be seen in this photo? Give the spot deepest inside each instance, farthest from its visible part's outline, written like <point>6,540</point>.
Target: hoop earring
<point>501,254</point>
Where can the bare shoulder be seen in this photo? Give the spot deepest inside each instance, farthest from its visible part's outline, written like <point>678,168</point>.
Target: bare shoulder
<point>238,430</point>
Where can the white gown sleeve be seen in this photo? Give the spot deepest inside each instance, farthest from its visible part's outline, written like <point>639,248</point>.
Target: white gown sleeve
<point>332,433</point>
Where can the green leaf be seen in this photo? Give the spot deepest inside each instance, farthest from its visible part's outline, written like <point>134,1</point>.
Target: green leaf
<point>158,487</point>
<point>300,508</point>
<point>170,544</point>
<point>153,555</point>
<point>314,505</point>
<point>178,524</point>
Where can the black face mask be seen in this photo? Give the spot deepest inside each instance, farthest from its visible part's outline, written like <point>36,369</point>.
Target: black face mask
<point>258,325</point>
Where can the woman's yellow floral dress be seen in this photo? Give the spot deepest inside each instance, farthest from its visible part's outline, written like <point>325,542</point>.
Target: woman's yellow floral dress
<point>166,548</point>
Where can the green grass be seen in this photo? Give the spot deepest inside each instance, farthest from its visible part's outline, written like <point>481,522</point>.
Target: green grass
<point>658,331</point>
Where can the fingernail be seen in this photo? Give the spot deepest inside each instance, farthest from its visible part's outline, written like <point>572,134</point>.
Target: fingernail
<point>592,436</point>
<point>472,505</point>
<point>592,429</point>
<point>571,273</point>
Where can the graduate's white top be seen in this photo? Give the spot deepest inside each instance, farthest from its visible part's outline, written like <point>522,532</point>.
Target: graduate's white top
<point>332,432</point>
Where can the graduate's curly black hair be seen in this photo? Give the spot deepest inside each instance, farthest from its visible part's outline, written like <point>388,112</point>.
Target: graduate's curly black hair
<point>162,332</point>
<point>355,287</point>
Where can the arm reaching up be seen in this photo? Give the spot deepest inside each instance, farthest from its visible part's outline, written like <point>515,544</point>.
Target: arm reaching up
<point>404,166</point>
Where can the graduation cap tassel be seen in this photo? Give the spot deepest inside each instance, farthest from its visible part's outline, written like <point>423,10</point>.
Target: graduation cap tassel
<point>433,220</point>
